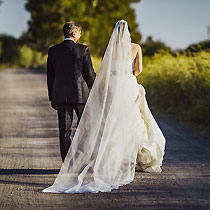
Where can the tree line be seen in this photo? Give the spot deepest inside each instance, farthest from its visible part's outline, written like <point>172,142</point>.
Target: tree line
<point>97,18</point>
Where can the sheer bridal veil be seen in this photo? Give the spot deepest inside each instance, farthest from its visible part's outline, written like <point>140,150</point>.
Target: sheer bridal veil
<point>102,154</point>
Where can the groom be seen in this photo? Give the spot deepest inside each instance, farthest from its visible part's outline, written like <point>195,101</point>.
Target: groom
<point>70,76</point>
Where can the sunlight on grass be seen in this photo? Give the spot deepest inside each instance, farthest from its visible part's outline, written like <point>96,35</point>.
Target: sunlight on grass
<point>96,63</point>
<point>180,84</point>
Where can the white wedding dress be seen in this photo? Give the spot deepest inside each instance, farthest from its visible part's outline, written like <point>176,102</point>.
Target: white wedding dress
<point>116,130</point>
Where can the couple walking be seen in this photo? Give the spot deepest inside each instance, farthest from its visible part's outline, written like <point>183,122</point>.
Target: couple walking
<point>116,129</point>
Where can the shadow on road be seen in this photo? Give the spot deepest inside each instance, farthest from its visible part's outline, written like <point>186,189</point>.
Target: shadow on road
<point>28,171</point>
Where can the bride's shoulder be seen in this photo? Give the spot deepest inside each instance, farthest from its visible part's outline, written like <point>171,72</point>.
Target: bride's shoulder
<point>136,46</point>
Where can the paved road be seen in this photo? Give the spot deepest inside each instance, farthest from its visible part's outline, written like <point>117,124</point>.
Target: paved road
<point>30,158</point>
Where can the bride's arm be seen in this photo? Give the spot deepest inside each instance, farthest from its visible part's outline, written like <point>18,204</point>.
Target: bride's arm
<point>138,63</point>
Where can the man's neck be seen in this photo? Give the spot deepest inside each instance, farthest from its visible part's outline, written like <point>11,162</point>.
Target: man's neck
<point>69,38</point>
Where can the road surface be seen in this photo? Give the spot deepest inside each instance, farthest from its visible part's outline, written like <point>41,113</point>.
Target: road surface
<point>30,158</point>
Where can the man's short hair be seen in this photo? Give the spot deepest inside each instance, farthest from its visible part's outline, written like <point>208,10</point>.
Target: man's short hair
<point>70,27</point>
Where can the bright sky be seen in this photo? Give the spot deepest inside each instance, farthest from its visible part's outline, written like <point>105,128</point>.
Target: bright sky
<point>13,17</point>
<point>178,23</point>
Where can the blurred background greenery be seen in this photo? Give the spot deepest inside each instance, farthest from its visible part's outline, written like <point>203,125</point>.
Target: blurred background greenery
<point>177,82</point>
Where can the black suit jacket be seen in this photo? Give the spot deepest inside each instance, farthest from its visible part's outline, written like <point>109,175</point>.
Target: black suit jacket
<point>70,73</point>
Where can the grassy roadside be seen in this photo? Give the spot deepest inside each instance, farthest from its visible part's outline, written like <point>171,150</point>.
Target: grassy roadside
<point>179,85</point>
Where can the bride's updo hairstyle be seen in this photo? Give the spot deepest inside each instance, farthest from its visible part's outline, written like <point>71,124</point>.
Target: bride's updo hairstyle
<point>123,30</point>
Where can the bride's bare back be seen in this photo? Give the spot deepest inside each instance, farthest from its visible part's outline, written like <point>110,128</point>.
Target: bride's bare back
<point>136,54</point>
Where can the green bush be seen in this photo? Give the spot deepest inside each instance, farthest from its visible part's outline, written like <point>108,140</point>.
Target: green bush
<point>9,50</point>
<point>29,58</point>
<point>39,60</point>
<point>0,48</point>
<point>179,84</point>
<point>96,63</point>
<point>25,57</point>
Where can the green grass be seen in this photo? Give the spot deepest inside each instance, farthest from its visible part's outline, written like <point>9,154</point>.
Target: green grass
<point>179,85</point>
<point>96,63</point>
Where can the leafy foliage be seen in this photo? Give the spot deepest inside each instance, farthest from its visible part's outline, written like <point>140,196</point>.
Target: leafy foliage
<point>30,58</point>
<point>150,47</point>
<point>97,18</point>
<point>201,46</point>
<point>179,84</point>
<point>9,49</point>
<point>0,48</point>
<point>15,54</point>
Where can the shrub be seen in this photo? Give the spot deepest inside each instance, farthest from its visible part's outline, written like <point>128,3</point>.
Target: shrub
<point>179,84</point>
<point>96,63</point>
<point>29,58</point>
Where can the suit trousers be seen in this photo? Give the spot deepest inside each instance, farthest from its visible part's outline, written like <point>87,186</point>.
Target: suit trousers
<point>65,118</point>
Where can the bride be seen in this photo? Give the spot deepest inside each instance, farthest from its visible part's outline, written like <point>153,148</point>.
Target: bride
<point>117,130</point>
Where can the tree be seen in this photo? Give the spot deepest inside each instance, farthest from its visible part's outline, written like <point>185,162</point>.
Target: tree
<point>150,47</point>
<point>201,46</point>
<point>9,49</point>
<point>97,18</point>
<point>0,49</point>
